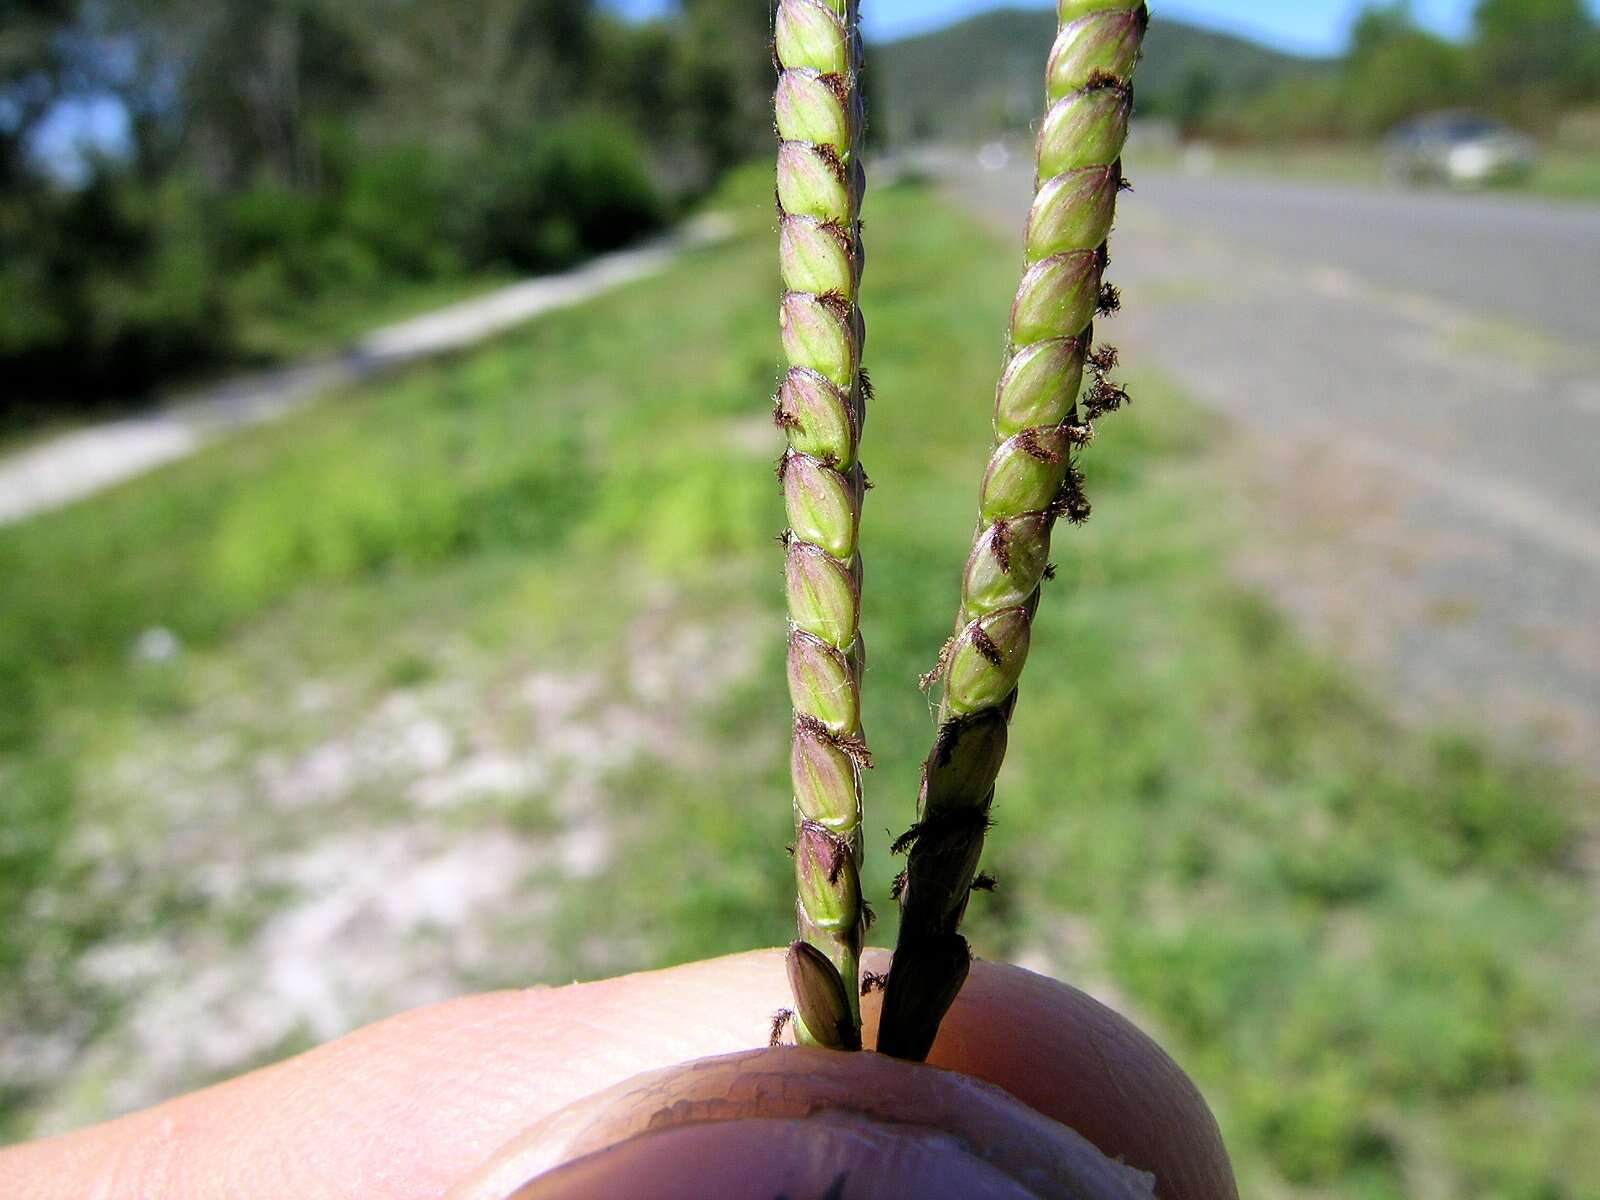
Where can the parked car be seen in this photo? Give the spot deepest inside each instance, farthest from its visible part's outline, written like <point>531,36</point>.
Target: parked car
<point>1463,149</point>
<point>993,156</point>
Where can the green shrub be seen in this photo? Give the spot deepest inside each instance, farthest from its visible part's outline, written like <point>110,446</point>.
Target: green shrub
<point>119,285</point>
<point>395,203</point>
<point>107,288</point>
<point>551,193</point>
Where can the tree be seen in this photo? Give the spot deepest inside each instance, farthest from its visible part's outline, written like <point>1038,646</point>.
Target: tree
<point>1546,47</point>
<point>726,78</point>
<point>1377,26</point>
<point>33,77</point>
<point>1397,69</point>
<point>1195,97</point>
<point>468,71</point>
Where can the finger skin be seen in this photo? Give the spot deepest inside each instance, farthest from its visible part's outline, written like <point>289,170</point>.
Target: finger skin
<point>409,1107</point>
<point>759,1159</point>
<point>1072,1058</point>
<point>873,1124</point>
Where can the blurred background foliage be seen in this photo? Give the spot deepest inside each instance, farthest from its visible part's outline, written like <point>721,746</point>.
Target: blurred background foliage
<point>1536,62</point>
<point>188,184</point>
<point>246,159</point>
<point>1532,61</point>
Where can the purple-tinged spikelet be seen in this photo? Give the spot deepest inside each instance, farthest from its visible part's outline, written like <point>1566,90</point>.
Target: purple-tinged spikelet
<point>1031,484</point>
<point>821,409</point>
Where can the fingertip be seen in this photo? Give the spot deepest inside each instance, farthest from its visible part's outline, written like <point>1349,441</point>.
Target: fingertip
<point>759,1159</point>
<point>1070,1057</point>
<point>801,1121</point>
<point>1055,1048</point>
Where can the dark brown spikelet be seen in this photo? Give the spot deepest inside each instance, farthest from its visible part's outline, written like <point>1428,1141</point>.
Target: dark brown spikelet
<point>840,87</point>
<point>806,723</point>
<point>830,156</point>
<point>924,682</point>
<point>838,850</point>
<point>1104,397</point>
<point>944,742</point>
<point>871,982</point>
<point>957,823</point>
<point>1028,441</point>
<point>837,304</point>
<point>783,418</point>
<point>1104,359</point>
<point>1049,573</point>
<point>984,645</point>
<point>780,1022</point>
<point>781,468</point>
<point>867,393</point>
<point>856,748</point>
<point>1110,300</point>
<point>852,744</point>
<point>1001,541</point>
<point>898,887</point>
<point>869,918</point>
<point>1104,81</point>
<point>985,883</point>
<point>1071,504</point>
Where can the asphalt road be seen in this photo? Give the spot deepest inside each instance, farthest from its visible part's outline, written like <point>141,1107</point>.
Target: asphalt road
<point>1529,261</point>
<point>1414,386</point>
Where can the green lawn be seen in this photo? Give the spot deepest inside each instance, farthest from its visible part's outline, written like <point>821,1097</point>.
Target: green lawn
<point>1360,938</point>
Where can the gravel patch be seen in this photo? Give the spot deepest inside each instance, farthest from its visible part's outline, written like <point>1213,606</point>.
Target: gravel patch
<point>286,869</point>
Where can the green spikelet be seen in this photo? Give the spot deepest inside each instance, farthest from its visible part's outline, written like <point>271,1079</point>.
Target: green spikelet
<point>1030,484</point>
<point>820,407</point>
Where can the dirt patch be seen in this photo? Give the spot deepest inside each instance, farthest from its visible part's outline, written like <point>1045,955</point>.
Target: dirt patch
<point>287,869</point>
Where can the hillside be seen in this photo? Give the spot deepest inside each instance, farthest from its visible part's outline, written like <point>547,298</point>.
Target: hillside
<point>983,74</point>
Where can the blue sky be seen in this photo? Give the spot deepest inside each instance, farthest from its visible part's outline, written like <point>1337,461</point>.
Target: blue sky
<point>1312,26</point>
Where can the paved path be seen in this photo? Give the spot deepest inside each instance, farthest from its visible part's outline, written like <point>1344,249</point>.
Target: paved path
<point>1415,385</point>
<point>78,464</point>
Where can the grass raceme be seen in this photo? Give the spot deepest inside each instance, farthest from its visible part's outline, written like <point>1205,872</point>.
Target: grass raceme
<point>821,408</point>
<point>1042,415</point>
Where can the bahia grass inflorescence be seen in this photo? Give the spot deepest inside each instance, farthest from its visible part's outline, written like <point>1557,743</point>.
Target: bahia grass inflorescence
<point>1043,414</point>
<point>820,407</point>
